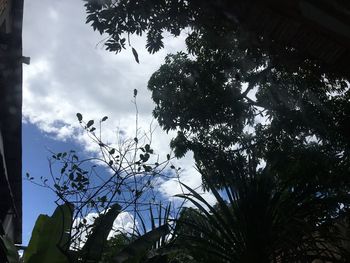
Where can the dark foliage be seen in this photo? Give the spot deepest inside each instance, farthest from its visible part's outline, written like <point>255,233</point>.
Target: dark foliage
<point>257,220</point>
<point>245,109</point>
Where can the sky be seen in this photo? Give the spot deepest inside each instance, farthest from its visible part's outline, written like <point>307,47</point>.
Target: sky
<point>71,72</point>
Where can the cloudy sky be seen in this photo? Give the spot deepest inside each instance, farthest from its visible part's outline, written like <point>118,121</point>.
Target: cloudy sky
<point>71,72</point>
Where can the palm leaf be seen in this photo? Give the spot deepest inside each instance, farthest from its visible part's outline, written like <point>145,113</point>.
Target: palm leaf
<point>93,248</point>
<point>138,248</point>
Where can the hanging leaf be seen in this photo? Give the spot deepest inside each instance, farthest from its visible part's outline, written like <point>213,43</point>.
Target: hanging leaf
<point>90,123</point>
<point>80,117</point>
<point>136,56</point>
<point>112,151</point>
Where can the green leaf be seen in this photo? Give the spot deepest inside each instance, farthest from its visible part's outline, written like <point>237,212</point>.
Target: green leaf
<point>90,123</point>
<point>64,168</point>
<point>93,248</point>
<point>50,236</point>
<point>10,250</point>
<point>217,221</point>
<point>136,56</point>
<point>146,157</point>
<point>80,117</point>
<point>137,249</point>
<point>147,168</point>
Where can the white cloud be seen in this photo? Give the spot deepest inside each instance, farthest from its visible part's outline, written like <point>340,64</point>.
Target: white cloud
<point>70,72</point>
<point>188,176</point>
<point>124,223</point>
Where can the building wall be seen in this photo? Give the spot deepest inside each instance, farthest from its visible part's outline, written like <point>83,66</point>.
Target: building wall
<point>11,15</point>
<point>7,204</point>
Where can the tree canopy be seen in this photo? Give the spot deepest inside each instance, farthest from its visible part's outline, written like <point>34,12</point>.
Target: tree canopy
<point>228,92</point>
<point>242,107</point>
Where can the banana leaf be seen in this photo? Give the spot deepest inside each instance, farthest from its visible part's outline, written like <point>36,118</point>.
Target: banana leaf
<point>50,237</point>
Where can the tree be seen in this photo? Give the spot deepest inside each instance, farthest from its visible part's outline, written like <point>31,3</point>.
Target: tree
<point>228,95</point>
<point>257,220</point>
<point>123,173</point>
<point>211,19</point>
<point>239,104</point>
<point>121,177</point>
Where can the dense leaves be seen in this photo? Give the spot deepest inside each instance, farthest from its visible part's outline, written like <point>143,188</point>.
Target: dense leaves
<point>261,117</point>
<point>52,241</point>
<point>136,17</point>
<point>121,178</point>
<point>255,220</point>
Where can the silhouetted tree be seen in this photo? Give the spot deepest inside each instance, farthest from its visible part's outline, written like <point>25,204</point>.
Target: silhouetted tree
<point>243,108</point>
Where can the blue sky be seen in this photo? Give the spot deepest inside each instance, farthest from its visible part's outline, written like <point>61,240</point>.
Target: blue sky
<point>38,200</point>
<point>35,199</point>
<point>71,72</point>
